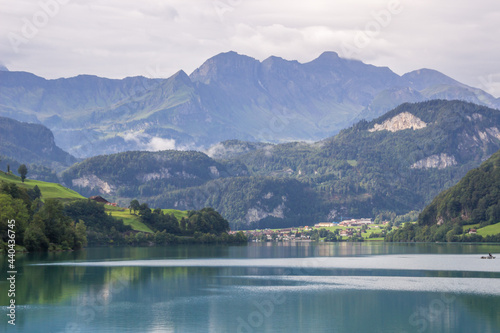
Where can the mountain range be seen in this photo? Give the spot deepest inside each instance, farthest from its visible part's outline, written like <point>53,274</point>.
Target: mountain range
<point>230,96</point>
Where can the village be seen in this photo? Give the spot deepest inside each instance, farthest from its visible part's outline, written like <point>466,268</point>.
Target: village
<point>347,230</point>
<point>357,230</point>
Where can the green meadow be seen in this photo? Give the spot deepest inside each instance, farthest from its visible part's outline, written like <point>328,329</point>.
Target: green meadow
<point>49,190</point>
<point>492,229</point>
<point>179,214</point>
<point>59,192</point>
<point>128,218</point>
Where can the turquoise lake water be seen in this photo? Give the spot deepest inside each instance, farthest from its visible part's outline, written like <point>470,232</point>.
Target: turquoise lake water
<point>262,287</point>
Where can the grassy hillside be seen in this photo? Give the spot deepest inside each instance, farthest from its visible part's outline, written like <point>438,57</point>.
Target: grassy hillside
<point>134,220</point>
<point>492,229</point>
<point>179,214</point>
<point>128,218</point>
<point>49,190</point>
<point>59,192</point>
<point>80,221</point>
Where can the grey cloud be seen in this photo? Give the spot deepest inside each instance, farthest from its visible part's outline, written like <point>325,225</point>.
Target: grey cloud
<point>119,38</point>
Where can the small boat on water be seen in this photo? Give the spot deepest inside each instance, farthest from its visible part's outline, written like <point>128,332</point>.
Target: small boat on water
<point>488,257</point>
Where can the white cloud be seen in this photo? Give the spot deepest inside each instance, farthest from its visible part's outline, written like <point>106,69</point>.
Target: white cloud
<point>119,38</point>
<point>145,141</point>
<point>138,137</point>
<point>156,144</point>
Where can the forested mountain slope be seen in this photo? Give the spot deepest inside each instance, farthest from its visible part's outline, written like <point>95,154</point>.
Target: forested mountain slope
<point>475,199</point>
<point>397,162</point>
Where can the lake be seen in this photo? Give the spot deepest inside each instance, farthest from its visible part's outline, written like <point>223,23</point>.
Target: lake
<point>262,287</point>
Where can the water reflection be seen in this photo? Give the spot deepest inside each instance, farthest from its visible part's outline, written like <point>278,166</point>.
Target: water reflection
<point>254,298</point>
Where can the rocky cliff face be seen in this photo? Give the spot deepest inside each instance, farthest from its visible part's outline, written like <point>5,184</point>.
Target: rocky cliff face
<point>440,161</point>
<point>257,213</point>
<point>493,131</point>
<point>94,182</point>
<point>402,121</point>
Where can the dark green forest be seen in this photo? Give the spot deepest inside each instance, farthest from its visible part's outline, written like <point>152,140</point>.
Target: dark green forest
<point>144,174</point>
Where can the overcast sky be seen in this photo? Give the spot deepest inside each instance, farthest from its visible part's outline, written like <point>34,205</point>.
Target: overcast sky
<point>156,38</point>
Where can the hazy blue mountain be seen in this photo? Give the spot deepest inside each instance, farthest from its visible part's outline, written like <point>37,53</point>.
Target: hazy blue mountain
<point>424,78</point>
<point>230,96</point>
<point>31,143</point>
<point>435,85</point>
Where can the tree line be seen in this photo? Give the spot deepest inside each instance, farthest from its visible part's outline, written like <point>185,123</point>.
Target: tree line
<point>51,225</point>
<point>39,226</point>
<point>200,226</point>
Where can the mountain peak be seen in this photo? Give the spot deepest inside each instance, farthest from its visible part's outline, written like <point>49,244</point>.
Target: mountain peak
<point>275,60</point>
<point>329,55</point>
<point>224,65</point>
<point>180,75</point>
<point>331,59</point>
<point>227,58</point>
<point>425,77</point>
<point>180,78</point>
<point>326,58</point>
<point>3,68</point>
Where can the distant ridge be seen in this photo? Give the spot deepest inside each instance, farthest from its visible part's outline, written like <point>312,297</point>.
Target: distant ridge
<point>31,143</point>
<point>230,96</point>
